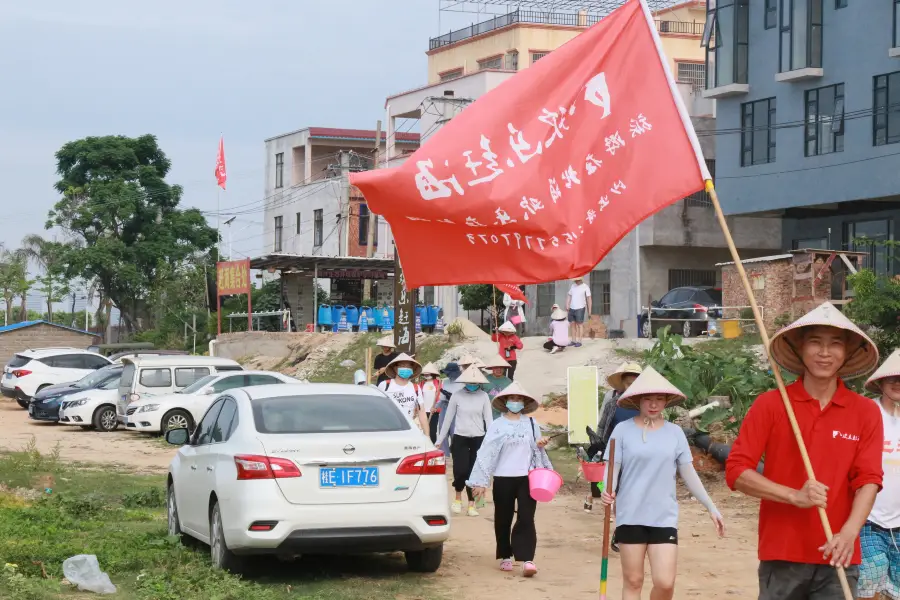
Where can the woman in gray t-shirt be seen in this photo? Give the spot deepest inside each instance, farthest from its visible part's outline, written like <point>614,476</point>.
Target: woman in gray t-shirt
<point>652,451</point>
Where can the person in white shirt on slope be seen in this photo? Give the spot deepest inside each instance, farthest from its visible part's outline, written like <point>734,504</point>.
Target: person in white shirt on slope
<point>403,391</point>
<point>880,536</point>
<point>578,304</point>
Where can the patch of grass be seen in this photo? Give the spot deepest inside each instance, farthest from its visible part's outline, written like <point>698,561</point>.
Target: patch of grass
<point>118,517</point>
<point>630,354</point>
<point>565,462</point>
<point>432,349</point>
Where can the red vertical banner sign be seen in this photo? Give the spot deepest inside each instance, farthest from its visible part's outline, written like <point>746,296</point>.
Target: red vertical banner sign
<point>540,178</point>
<point>233,278</point>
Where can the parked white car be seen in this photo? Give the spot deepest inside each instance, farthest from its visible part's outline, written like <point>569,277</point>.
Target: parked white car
<point>30,371</point>
<point>94,408</point>
<point>185,408</point>
<point>311,468</point>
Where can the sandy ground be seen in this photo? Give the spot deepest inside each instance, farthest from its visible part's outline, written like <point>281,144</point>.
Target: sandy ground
<point>81,445</point>
<point>569,539</point>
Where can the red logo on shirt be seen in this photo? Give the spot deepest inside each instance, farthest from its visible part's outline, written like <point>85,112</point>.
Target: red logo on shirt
<point>844,436</point>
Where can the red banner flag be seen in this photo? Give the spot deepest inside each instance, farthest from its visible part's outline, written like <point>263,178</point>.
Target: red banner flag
<point>539,178</point>
<point>221,176</point>
<point>513,290</point>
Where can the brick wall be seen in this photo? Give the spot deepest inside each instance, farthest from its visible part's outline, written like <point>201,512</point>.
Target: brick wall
<point>356,200</point>
<point>41,336</point>
<point>772,283</point>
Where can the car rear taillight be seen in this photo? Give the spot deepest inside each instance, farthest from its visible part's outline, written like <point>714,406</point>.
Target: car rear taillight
<point>252,466</point>
<point>436,521</point>
<point>699,308</point>
<point>430,463</point>
<point>21,372</point>
<point>263,525</point>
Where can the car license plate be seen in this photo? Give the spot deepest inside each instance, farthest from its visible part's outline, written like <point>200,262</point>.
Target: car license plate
<point>334,477</point>
<point>9,375</point>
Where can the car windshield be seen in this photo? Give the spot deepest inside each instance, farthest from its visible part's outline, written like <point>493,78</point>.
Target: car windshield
<point>92,380</point>
<point>197,385</point>
<point>331,413</point>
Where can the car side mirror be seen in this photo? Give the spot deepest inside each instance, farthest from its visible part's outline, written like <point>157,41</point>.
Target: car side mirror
<point>177,437</point>
<point>209,392</point>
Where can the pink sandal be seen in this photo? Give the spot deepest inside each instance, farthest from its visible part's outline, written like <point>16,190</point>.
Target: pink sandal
<point>529,570</point>
<point>506,564</point>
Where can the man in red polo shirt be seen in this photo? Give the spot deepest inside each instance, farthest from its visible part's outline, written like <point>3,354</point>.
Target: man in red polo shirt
<point>844,437</point>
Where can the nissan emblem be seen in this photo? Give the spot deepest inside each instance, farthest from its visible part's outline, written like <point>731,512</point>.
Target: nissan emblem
<point>348,449</point>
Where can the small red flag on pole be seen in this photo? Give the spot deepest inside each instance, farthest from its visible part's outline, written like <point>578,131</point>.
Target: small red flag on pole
<point>541,177</point>
<point>513,291</point>
<point>221,175</point>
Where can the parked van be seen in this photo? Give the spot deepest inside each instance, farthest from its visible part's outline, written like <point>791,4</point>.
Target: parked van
<point>145,376</point>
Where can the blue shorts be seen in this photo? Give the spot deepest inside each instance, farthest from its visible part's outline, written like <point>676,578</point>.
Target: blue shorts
<point>576,315</point>
<point>880,569</point>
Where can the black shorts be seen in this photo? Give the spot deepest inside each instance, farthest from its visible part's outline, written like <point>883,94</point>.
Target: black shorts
<point>641,534</point>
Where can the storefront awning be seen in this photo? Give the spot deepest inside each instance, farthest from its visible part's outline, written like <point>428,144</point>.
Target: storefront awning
<point>335,267</point>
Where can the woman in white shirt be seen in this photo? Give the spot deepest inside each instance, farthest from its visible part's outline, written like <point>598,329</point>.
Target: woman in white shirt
<point>400,388</point>
<point>880,536</point>
<point>470,410</point>
<point>512,448</point>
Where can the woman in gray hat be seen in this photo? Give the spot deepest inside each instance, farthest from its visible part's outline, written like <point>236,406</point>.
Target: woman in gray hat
<point>470,410</point>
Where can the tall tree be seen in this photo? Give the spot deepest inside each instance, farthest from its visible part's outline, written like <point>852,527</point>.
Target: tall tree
<point>13,279</point>
<point>116,201</point>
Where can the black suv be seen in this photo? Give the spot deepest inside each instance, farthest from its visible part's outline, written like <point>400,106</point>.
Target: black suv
<point>680,304</point>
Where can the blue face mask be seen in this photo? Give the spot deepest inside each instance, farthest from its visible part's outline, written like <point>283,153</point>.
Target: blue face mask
<point>515,406</point>
<point>404,373</point>
<point>472,387</point>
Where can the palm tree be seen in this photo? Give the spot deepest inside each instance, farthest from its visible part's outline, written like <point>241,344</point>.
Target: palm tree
<point>50,256</point>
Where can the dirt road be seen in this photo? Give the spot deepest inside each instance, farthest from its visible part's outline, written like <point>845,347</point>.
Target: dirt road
<point>568,545</point>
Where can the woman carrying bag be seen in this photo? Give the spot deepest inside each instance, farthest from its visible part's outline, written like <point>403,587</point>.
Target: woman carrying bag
<point>512,448</point>
<point>470,411</point>
<point>649,452</point>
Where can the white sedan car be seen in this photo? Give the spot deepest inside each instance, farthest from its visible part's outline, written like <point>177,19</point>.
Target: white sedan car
<point>92,408</point>
<point>185,408</point>
<point>308,469</point>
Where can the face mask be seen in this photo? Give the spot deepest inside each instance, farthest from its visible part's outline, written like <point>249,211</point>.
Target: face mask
<point>472,387</point>
<point>404,373</point>
<point>514,406</point>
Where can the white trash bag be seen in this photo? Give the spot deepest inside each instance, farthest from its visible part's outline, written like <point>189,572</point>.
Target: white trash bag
<point>84,571</point>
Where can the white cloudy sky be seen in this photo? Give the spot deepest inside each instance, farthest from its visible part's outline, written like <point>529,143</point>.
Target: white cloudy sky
<point>187,71</point>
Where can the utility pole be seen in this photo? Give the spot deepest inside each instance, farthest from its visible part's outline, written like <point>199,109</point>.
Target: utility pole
<point>344,208</point>
<point>370,234</point>
<point>195,334</point>
<point>228,223</point>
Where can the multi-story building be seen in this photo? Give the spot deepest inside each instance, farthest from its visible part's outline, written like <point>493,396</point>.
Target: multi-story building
<point>808,95</point>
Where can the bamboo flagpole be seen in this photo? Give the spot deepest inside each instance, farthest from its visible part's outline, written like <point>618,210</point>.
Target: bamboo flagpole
<point>745,281</point>
<point>607,515</point>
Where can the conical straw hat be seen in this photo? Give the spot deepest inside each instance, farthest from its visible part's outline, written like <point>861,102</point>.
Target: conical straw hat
<point>430,369</point>
<point>495,362</point>
<point>391,369</point>
<point>469,360</point>
<point>386,342</point>
<point>650,382</point>
<point>890,368</point>
<point>558,314</point>
<point>515,390</point>
<point>472,375</point>
<point>626,368</point>
<point>862,355</point>
<point>507,327</point>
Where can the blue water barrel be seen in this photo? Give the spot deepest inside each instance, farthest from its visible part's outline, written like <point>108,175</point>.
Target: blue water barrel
<point>420,313</point>
<point>391,313</point>
<point>430,315</point>
<point>336,310</point>
<point>352,314</point>
<point>369,314</point>
<point>325,316</point>
<point>383,317</point>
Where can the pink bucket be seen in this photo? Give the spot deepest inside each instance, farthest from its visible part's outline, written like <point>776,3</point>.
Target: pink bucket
<point>544,483</point>
<point>593,472</point>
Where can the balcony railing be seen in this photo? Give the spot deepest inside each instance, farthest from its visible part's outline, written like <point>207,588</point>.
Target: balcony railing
<point>550,18</point>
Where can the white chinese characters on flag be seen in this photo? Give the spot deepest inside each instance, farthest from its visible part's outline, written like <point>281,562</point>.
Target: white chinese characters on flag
<point>539,179</point>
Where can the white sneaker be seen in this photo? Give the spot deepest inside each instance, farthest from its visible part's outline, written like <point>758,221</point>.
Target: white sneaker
<point>472,512</point>
<point>554,350</point>
<point>456,507</point>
